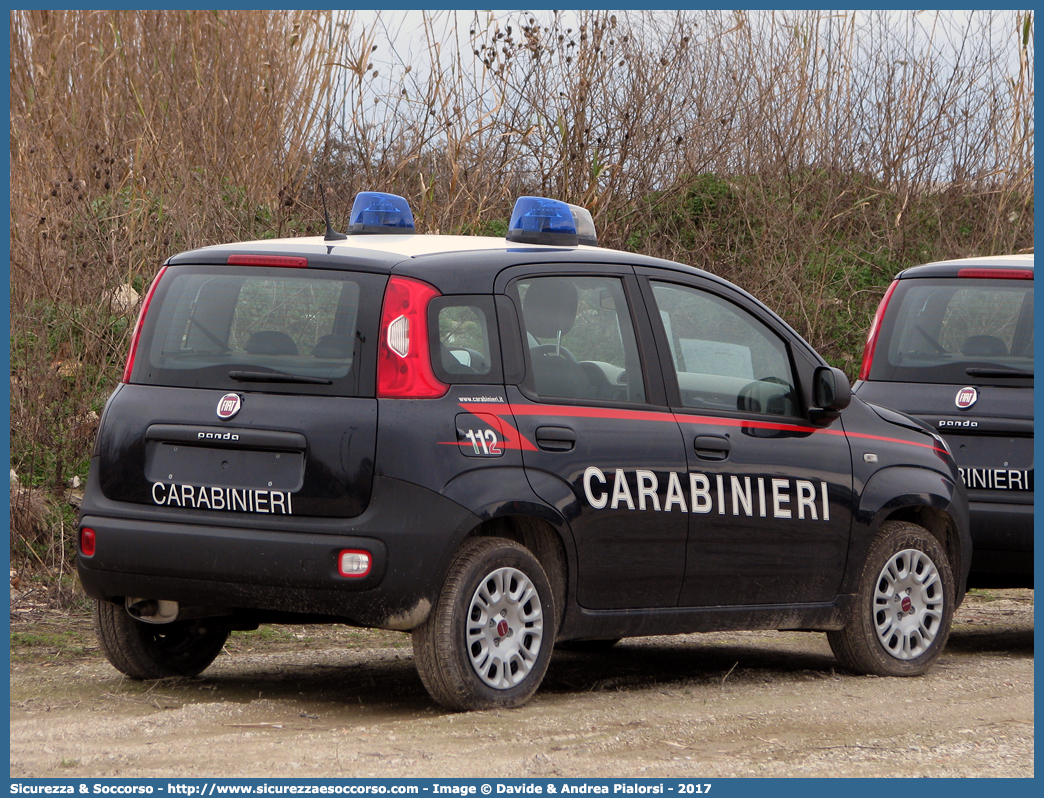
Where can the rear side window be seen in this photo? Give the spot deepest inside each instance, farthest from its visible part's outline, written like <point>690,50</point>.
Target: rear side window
<point>253,328</point>
<point>581,342</point>
<point>462,331</point>
<point>935,330</point>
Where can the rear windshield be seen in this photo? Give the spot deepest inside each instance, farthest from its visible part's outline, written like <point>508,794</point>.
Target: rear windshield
<point>257,328</point>
<point>957,330</point>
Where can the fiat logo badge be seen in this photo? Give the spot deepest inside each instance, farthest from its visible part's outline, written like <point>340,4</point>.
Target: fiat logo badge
<point>966,397</point>
<point>228,405</point>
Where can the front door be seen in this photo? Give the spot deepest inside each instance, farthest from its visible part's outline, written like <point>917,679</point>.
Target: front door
<point>769,494</point>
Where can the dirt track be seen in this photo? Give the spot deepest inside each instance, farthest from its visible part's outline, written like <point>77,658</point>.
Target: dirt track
<point>325,701</point>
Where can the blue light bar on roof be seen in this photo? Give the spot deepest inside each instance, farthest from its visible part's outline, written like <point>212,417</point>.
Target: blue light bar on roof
<point>536,220</point>
<point>376,212</point>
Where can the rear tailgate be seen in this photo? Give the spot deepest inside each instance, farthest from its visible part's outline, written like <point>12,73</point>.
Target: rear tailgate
<point>250,389</point>
<point>313,460</point>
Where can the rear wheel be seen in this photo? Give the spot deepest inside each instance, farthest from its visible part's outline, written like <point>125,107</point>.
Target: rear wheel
<point>154,651</point>
<point>901,618</point>
<point>488,640</point>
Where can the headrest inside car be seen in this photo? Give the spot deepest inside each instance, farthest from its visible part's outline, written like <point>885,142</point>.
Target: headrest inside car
<point>550,306</point>
<point>270,342</point>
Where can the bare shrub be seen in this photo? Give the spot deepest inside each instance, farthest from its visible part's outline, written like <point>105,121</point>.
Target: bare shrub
<point>808,156</point>
<point>29,520</point>
<point>135,134</point>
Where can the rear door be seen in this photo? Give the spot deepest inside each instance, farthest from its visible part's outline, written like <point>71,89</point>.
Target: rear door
<point>599,443</point>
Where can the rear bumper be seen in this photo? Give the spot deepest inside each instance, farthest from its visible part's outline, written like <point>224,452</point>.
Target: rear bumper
<point>409,532</point>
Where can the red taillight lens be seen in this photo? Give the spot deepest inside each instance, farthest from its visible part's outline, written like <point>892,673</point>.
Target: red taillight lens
<point>403,363</point>
<point>87,541</point>
<point>137,327</point>
<point>875,328</point>
<point>285,261</point>
<point>996,274</point>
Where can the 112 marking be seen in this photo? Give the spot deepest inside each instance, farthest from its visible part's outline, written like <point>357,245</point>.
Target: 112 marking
<point>486,439</point>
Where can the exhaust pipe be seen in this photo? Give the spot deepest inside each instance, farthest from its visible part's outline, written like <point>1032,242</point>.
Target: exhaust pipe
<point>152,610</point>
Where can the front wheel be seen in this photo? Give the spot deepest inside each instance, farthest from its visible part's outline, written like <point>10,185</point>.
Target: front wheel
<point>900,620</point>
<point>488,640</point>
<point>152,650</point>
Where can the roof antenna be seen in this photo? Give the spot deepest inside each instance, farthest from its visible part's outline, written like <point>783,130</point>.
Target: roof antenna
<point>331,234</point>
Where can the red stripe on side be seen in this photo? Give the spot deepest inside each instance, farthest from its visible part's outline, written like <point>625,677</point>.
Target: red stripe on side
<point>735,422</point>
<point>511,437</point>
<point>865,436</point>
<point>566,411</point>
<point>523,444</point>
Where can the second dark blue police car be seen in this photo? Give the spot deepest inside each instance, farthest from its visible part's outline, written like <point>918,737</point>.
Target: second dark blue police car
<point>500,445</point>
<point>952,344</point>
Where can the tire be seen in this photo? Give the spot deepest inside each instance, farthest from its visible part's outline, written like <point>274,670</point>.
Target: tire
<point>900,620</point>
<point>466,657</point>
<point>156,651</point>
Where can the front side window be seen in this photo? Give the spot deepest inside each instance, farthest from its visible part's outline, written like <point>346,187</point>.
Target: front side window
<point>279,330</point>
<point>935,330</point>
<point>725,359</point>
<point>581,340</point>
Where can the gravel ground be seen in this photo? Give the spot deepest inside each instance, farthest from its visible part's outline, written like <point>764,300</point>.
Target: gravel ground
<point>328,701</point>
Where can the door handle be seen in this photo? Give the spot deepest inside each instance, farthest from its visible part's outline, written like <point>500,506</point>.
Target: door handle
<point>712,447</point>
<point>555,439</point>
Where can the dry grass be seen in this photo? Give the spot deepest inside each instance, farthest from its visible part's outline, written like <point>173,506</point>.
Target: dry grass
<point>134,135</point>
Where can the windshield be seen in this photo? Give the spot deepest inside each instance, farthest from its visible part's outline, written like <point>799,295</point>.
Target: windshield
<point>276,330</point>
<point>953,330</point>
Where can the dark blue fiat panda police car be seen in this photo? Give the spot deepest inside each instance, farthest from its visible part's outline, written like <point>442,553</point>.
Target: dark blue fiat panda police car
<point>500,445</point>
<point>952,344</point>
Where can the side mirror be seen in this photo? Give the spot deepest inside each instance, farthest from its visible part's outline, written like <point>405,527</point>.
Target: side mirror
<point>831,390</point>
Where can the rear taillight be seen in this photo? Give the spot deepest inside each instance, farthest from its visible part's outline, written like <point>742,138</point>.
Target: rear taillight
<point>996,274</point>
<point>875,328</point>
<point>87,541</point>
<point>137,327</point>
<point>404,365</point>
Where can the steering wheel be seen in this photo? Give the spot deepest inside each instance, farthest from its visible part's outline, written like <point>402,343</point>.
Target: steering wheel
<point>550,349</point>
<point>452,365</point>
